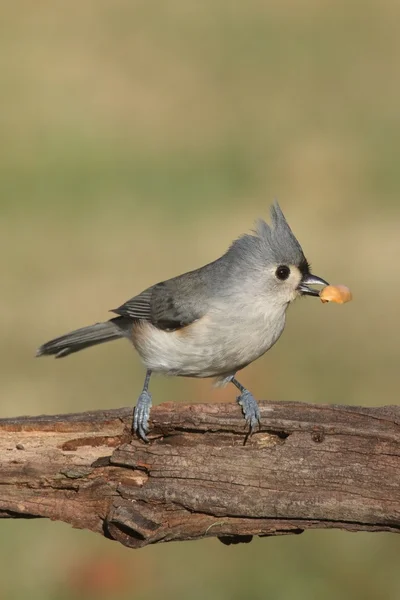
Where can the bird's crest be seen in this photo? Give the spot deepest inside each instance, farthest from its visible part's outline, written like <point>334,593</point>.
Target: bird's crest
<point>279,240</point>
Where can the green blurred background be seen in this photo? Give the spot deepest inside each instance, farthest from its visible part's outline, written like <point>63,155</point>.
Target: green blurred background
<point>140,138</point>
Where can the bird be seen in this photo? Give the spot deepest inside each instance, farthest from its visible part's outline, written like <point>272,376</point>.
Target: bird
<point>210,322</point>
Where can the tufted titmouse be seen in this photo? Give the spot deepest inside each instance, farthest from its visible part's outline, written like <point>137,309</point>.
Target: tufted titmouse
<point>210,322</point>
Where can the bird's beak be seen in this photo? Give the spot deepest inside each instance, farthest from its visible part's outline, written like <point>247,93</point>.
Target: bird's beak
<point>310,280</point>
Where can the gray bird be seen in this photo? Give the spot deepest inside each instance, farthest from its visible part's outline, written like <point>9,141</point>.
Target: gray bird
<point>210,322</point>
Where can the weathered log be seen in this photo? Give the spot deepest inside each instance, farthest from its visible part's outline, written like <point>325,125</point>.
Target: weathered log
<point>309,466</point>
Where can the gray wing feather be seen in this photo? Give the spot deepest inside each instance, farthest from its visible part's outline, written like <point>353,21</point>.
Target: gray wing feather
<point>171,304</point>
<point>138,307</point>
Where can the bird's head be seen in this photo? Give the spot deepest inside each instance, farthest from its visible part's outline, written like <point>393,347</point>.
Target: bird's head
<point>275,261</point>
<point>288,270</point>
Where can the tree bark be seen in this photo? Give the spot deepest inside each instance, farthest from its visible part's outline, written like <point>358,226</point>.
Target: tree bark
<point>309,466</point>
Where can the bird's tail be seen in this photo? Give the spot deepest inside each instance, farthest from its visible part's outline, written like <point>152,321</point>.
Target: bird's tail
<point>86,337</point>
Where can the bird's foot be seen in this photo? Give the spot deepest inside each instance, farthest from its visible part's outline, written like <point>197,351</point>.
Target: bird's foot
<point>141,415</point>
<point>250,409</point>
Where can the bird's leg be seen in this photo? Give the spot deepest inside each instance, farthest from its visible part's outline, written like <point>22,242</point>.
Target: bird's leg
<point>142,410</point>
<point>249,405</point>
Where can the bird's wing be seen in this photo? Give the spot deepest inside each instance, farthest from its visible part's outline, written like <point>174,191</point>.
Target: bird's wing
<point>170,305</point>
<point>138,307</point>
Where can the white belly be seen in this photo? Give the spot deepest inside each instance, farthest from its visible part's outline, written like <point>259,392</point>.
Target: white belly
<point>215,345</point>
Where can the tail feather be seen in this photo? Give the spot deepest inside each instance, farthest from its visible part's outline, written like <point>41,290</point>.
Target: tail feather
<point>85,337</point>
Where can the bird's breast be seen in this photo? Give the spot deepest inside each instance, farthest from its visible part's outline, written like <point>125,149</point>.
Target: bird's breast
<point>221,342</point>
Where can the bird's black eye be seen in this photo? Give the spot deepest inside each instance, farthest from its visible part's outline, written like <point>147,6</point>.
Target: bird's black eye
<point>282,272</point>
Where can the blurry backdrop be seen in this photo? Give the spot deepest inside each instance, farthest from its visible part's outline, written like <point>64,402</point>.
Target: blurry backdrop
<point>137,140</point>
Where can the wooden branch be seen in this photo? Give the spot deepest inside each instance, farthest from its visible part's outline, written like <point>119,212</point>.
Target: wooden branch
<point>310,466</point>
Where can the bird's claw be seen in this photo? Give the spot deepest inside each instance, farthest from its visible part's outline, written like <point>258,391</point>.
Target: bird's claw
<point>250,409</point>
<point>141,415</point>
